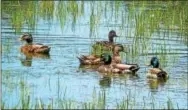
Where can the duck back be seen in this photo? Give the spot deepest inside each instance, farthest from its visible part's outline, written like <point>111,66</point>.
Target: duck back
<point>35,48</point>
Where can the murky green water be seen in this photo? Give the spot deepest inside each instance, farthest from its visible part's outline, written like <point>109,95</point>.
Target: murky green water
<point>70,28</point>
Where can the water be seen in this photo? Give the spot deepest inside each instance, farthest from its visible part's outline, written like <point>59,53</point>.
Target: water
<point>59,76</point>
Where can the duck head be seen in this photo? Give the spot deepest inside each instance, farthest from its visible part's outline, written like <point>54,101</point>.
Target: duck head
<point>27,37</point>
<point>106,58</point>
<point>111,36</point>
<point>154,62</point>
<point>118,48</point>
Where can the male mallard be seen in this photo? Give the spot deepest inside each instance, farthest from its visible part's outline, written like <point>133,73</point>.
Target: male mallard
<point>95,59</point>
<point>106,45</point>
<point>110,67</point>
<point>156,72</point>
<point>33,48</point>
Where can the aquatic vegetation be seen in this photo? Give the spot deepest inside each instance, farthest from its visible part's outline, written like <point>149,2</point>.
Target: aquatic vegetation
<point>170,16</point>
<point>159,17</point>
<point>145,28</point>
<point>98,101</point>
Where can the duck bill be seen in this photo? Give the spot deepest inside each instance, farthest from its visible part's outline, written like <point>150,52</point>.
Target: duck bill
<point>20,39</point>
<point>116,36</point>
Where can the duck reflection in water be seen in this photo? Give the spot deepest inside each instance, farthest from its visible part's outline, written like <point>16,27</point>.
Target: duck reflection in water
<point>105,81</point>
<point>154,84</point>
<point>84,68</point>
<point>27,61</point>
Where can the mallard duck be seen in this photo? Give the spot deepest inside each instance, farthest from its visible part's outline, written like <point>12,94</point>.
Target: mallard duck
<point>33,48</point>
<point>96,59</point>
<point>116,58</point>
<point>90,60</point>
<point>106,45</point>
<point>110,67</point>
<point>156,72</point>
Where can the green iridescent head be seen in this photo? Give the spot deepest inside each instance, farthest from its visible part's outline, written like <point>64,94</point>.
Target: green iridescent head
<point>106,58</point>
<point>154,62</point>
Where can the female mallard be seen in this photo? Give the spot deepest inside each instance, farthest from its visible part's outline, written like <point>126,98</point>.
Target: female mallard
<point>95,59</point>
<point>116,58</point>
<point>33,48</point>
<point>106,45</point>
<point>90,60</point>
<point>156,72</point>
<point>110,67</point>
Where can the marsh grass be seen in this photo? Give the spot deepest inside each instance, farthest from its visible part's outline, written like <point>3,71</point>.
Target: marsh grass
<point>169,17</point>
<point>144,17</point>
<point>98,101</point>
<point>169,104</point>
<point>2,105</point>
<point>172,15</point>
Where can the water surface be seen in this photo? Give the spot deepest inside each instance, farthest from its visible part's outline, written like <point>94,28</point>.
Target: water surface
<point>70,29</point>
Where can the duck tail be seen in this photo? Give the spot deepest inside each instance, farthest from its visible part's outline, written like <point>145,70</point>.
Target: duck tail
<point>83,57</point>
<point>81,60</point>
<point>47,50</point>
<point>162,74</point>
<point>134,68</point>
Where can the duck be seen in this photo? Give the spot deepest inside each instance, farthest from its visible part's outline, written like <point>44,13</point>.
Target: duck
<point>89,60</point>
<point>106,45</point>
<point>112,67</point>
<point>156,72</point>
<point>116,58</point>
<point>96,59</point>
<point>33,48</point>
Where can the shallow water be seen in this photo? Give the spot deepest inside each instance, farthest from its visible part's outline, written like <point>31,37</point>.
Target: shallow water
<point>49,78</point>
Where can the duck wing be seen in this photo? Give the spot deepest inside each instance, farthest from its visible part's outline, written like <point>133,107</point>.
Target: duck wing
<point>126,68</point>
<point>121,66</point>
<point>84,61</point>
<point>38,48</point>
<point>89,60</point>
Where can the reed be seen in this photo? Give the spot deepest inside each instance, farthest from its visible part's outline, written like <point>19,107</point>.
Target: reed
<point>98,102</point>
<point>171,16</point>
<point>143,21</point>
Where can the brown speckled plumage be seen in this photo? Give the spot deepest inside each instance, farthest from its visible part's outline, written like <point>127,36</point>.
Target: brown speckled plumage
<point>33,48</point>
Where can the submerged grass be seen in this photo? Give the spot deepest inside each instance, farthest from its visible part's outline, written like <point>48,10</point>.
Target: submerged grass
<point>172,16</point>
<point>99,101</point>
